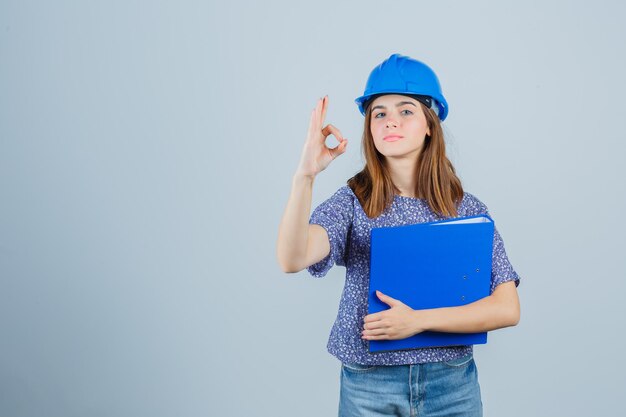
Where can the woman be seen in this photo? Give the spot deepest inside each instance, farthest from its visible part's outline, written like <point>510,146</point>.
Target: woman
<point>407,179</point>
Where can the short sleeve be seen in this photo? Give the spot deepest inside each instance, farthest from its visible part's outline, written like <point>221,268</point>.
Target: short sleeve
<point>501,268</point>
<point>335,215</point>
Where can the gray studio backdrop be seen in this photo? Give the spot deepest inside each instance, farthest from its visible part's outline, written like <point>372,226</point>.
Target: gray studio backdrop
<point>146,156</point>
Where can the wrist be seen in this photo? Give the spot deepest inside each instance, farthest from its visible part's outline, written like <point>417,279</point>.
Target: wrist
<point>303,178</point>
<point>423,320</point>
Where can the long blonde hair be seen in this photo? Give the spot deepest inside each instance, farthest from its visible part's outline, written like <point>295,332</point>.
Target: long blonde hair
<point>437,181</point>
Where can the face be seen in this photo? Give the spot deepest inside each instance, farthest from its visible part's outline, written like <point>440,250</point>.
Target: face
<point>398,125</point>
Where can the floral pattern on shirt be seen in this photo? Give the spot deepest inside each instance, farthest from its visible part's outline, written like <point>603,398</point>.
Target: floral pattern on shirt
<point>348,229</point>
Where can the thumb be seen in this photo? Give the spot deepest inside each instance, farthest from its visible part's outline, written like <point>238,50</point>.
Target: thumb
<point>386,299</point>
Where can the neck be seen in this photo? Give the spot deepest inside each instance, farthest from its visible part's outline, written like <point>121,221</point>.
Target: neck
<point>403,171</point>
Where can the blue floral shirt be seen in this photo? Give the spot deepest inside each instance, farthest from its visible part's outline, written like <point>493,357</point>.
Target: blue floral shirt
<point>348,229</point>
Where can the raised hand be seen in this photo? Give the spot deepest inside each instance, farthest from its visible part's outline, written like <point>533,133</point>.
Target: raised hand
<point>316,156</point>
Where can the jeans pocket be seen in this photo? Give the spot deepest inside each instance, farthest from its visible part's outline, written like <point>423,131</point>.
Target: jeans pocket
<point>357,367</point>
<point>459,362</point>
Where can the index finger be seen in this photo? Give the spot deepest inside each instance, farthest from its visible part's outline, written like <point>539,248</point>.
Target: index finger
<point>372,317</point>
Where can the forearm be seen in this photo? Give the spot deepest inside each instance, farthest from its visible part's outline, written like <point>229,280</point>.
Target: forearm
<point>293,230</point>
<point>483,315</point>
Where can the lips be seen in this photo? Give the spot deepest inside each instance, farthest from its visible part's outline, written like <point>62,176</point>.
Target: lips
<point>392,138</point>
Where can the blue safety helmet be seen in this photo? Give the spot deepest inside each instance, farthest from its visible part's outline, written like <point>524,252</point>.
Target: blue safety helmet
<point>400,74</point>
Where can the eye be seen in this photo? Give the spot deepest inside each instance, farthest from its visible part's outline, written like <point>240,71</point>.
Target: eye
<point>410,112</point>
<point>376,117</point>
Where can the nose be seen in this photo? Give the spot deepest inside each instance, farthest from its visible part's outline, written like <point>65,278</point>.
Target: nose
<point>391,123</point>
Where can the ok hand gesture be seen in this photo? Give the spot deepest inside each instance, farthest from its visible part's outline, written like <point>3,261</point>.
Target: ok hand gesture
<point>316,156</point>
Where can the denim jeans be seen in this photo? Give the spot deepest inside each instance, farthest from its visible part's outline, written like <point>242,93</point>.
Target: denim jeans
<point>448,388</point>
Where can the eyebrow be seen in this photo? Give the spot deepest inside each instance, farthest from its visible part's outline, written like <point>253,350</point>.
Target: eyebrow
<point>397,105</point>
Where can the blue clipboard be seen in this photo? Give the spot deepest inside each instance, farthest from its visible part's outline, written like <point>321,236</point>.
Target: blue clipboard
<point>430,265</point>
